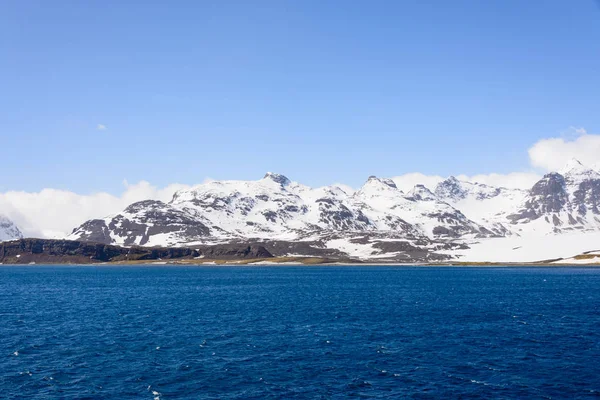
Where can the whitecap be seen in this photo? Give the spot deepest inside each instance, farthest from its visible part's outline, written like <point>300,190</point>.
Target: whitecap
<point>155,393</point>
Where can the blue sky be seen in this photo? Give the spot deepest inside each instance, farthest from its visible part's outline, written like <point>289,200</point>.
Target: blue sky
<point>322,91</point>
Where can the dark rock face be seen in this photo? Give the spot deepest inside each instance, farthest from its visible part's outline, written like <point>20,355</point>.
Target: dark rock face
<point>587,197</point>
<point>450,189</point>
<point>336,215</point>
<point>456,224</point>
<point>94,230</point>
<point>454,190</point>
<point>548,195</point>
<point>397,224</point>
<point>567,202</point>
<point>421,193</point>
<point>278,178</point>
<point>385,181</point>
<point>152,218</point>
<point>25,251</point>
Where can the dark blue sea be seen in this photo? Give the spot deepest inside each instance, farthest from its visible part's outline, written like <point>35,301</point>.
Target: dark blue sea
<point>298,332</point>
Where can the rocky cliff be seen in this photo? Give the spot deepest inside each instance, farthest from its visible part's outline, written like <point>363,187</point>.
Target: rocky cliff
<point>40,251</point>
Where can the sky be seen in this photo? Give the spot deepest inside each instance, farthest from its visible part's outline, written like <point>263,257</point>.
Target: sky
<point>99,97</point>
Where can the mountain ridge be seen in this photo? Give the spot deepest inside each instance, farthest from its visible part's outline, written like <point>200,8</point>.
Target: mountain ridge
<point>454,214</point>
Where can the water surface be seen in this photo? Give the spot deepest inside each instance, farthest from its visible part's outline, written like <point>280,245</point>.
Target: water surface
<point>298,332</point>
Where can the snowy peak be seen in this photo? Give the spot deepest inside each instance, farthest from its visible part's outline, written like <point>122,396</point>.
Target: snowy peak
<point>421,193</point>
<point>453,190</point>
<point>373,180</point>
<point>450,189</point>
<point>378,188</point>
<point>567,201</point>
<point>277,178</point>
<point>375,186</point>
<point>572,165</point>
<point>547,196</point>
<point>8,230</point>
<point>575,172</point>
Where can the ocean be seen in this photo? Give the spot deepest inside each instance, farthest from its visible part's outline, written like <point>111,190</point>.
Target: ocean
<point>166,332</point>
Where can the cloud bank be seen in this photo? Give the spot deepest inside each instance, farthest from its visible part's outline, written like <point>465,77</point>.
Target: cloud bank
<point>552,154</point>
<point>53,213</point>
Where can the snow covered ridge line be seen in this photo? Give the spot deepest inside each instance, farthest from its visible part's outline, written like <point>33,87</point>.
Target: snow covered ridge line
<point>379,221</point>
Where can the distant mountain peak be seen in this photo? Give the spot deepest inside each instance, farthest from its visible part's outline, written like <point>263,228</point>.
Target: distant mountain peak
<point>8,230</point>
<point>572,165</point>
<point>385,181</point>
<point>450,188</point>
<point>278,178</point>
<point>575,172</point>
<point>421,192</point>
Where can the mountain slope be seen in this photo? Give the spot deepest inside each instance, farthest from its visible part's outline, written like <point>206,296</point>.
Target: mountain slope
<point>382,202</point>
<point>484,204</point>
<point>8,230</point>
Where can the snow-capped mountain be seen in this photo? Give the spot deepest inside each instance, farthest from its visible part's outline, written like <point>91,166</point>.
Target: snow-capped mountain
<point>384,204</point>
<point>377,220</point>
<point>568,200</point>
<point>8,230</point>
<point>276,208</point>
<point>487,205</point>
<point>272,207</point>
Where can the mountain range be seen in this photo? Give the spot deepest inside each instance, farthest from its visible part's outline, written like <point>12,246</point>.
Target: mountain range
<point>377,222</point>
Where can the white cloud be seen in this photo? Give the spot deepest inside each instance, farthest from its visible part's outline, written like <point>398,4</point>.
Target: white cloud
<point>552,154</point>
<point>546,155</point>
<point>101,127</point>
<point>52,213</point>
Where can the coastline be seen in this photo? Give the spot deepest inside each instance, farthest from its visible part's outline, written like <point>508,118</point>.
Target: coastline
<point>30,252</point>
<point>293,262</point>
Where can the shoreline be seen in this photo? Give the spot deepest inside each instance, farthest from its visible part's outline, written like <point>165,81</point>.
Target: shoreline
<point>31,252</point>
<point>264,263</point>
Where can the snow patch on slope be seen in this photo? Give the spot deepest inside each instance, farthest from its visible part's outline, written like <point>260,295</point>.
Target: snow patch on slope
<point>529,248</point>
